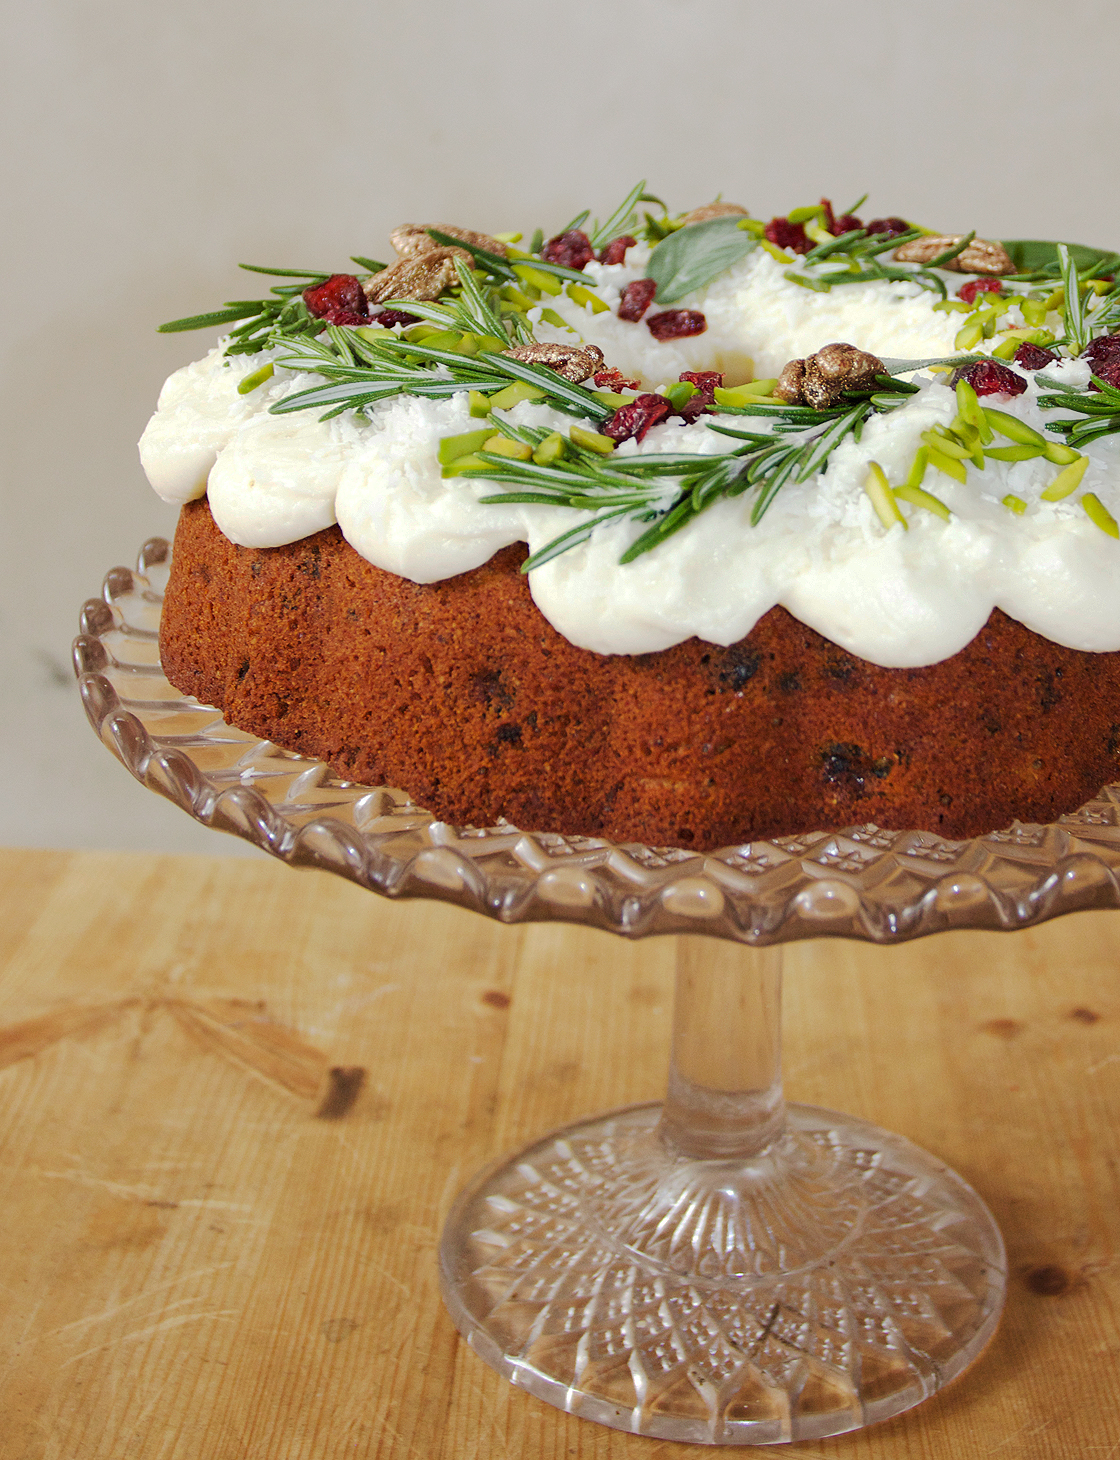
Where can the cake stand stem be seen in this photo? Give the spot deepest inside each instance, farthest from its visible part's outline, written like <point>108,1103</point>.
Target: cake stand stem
<point>724,1268</point>
<point>724,1095</point>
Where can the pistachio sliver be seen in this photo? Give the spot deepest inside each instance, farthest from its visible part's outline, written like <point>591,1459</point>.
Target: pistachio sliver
<point>514,394</point>
<point>916,475</point>
<point>946,445</point>
<point>744,395</point>
<point>1021,452</point>
<point>952,466</point>
<point>499,445</point>
<point>1068,480</point>
<point>550,450</point>
<point>882,498</point>
<point>1012,427</point>
<point>580,294</point>
<point>549,316</point>
<point>969,336</point>
<point>258,377</point>
<point>1100,514</point>
<point>479,403</point>
<point>921,498</point>
<point>546,283</point>
<point>451,448</point>
<point>1060,454</point>
<point>462,464</point>
<point>591,440</point>
<point>1014,504</point>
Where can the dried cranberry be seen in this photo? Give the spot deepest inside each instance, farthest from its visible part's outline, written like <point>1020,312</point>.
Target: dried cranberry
<point>707,382</point>
<point>615,251</point>
<point>788,235</point>
<point>1109,372</point>
<point>636,299</point>
<point>1104,347</point>
<point>339,300</point>
<point>990,377</point>
<point>1031,357</point>
<point>613,380</point>
<point>846,223</point>
<point>891,226</point>
<point>391,317</point>
<point>969,291</point>
<point>829,219</point>
<point>674,324</point>
<point>635,419</point>
<point>572,250</point>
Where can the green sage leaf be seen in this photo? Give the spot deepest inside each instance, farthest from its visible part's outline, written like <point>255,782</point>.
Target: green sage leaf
<point>694,256</point>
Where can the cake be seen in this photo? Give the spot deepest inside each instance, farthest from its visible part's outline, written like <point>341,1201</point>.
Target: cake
<point>921,632</point>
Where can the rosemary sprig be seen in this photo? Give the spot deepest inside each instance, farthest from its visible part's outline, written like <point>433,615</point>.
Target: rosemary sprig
<point>1073,308</point>
<point>797,447</point>
<point>1100,410</point>
<point>283,317</point>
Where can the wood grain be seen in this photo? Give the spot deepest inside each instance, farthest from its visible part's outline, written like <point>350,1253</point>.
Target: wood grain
<point>237,1101</point>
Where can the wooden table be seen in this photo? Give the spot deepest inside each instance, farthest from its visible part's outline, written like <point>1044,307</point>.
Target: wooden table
<point>217,1249</point>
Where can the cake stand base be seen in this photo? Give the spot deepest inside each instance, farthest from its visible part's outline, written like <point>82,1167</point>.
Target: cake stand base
<point>834,1280</point>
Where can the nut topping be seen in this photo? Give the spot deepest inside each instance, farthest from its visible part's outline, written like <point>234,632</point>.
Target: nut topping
<point>820,380</point>
<point>573,362</point>
<point>412,239</point>
<point>980,257</point>
<point>424,277</point>
<point>713,210</point>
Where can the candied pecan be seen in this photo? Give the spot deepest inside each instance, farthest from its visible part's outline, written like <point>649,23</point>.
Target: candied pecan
<point>821,379</point>
<point>891,226</point>
<point>615,251</point>
<point>572,250</point>
<point>612,379</point>
<point>1032,357</point>
<point>788,235</point>
<point>636,299</point>
<point>990,377</point>
<point>675,324</point>
<point>339,300</point>
<point>412,239</point>
<point>790,381</point>
<point>391,317</point>
<point>713,210</point>
<point>424,277</point>
<point>969,291</point>
<point>635,418</point>
<point>980,257</point>
<point>573,362</point>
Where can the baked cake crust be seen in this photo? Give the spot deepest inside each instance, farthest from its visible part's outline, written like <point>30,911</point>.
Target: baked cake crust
<point>461,692</point>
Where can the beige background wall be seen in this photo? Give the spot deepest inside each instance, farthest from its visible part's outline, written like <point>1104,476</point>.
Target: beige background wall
<point>149,147</point>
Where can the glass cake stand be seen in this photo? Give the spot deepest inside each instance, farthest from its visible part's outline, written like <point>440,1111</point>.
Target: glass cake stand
<point>721,1268</point>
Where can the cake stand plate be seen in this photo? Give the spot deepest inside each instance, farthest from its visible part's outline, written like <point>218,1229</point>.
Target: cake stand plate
<point>719,1268</point>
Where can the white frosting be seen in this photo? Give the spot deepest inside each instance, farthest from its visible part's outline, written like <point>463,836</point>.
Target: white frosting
<point>895,597</point>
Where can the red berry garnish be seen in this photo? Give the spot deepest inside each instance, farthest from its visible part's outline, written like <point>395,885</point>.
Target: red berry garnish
<point>891,226</point>
<point>706,383</point>
<point>572,250</point>
<point>788,235</point>
<point>613,380</point>
<point>391,317</point>
<point>846,223</point>
<point>969,291</point>
<point>829,219</point>
<point>636,299</point>
<point>635,418</point>
<point>990,377</point>
<point>1031,357</point>
<point>615,251</point>
<point>1109,372</point>
<point>339,300</point>
<point>675,324</point>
